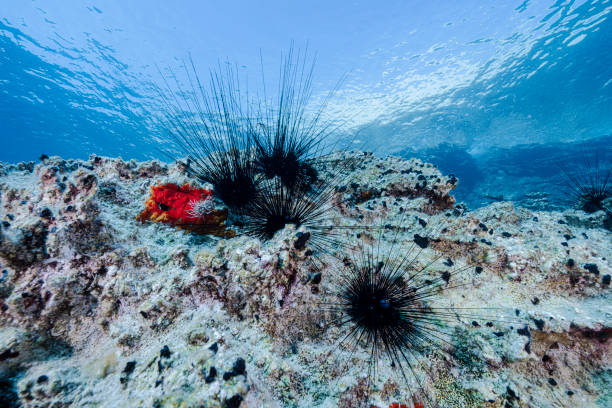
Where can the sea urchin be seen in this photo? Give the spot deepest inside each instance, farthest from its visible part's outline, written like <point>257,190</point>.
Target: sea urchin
<point>211,130</point>
<point>390,304</point>
<point>591,187</point>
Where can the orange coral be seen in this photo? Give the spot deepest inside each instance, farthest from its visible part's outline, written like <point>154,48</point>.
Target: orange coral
<point>185,207</point>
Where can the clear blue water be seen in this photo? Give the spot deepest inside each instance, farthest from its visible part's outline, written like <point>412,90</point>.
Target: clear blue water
<point>464,83</point>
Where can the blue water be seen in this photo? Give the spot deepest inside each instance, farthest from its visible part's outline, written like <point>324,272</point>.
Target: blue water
<point>463,82</point>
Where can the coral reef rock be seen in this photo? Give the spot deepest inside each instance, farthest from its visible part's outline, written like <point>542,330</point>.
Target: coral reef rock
<point>98,309</point>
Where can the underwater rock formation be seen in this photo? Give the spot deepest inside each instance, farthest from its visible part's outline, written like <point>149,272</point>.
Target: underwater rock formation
<point>99,309</point>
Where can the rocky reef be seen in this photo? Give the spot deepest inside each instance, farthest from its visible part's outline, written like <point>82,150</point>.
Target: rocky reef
<point>99,309</point>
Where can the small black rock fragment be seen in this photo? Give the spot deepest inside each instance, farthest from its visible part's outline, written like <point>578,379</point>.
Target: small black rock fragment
<point>10,353</point>
<point>524,332</point>
<point>539,323</point>
<point>552,381</point>
<point>129,367</point>
<point>422,242</point>
<point>511,394</point>
<point>506,234</point>
<point>300,242</point>
<point>478,269</point>
<point>446,276</point>
<point>605,280</point>
<point>535,300</point>
<point>214,347</point>
<point>570,262</point>
<point>233,402</point>
<point>165,352</point>
<point>212,374</point>
<point>46,213</point>
<point>239,367</point>
<point>42,379</point>
<point>591,268</point>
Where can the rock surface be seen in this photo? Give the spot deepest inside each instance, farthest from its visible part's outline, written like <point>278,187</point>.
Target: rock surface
<point>97,309</point>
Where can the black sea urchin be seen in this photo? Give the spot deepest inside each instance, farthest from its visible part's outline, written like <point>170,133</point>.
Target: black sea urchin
<point>277,205</point>
<point>210,128</point>
<point>393,305</point>
<point>288,138</point>
<point>590,187</point>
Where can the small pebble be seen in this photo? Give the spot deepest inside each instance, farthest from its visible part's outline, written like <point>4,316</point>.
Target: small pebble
<point>165,352</point>
<point>212,374</point>
<point>422,242</point>
<point>591,268</point>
